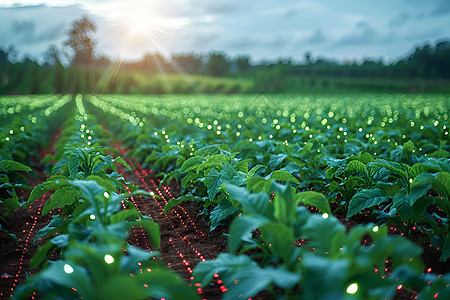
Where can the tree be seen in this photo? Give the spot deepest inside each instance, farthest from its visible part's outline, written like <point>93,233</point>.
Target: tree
<point>218,64</point>
<point>243,63</point>
<point>82,41</point>
<point>51,56</point>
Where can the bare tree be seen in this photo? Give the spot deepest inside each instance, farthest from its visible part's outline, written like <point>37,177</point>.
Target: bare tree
<point>82,41</point>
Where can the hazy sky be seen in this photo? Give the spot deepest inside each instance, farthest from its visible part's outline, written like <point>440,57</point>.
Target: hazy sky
<point>341,29</point>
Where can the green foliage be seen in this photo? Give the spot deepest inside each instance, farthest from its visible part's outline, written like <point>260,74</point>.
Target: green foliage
<point>266,233</point>
<point>106,270</point>
<point>255,162</point>
<point>10,180</point>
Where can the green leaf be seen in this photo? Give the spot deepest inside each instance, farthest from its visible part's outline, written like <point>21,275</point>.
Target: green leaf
<point>325,278</point>
<point>306,149</point>
<point>48,158</point>
<point>365,158</point>
<point>276,159</point>
<point>252,204</point>
<point>98,167</point>
<point>106,183</point>
<point>250,280</point>
<point>391,166</point>
<point>59,165</point>
<point>396,154</point>
<point>127,214</point>
<point>192,163</point>
<point>419,187</point>
<point>74,164</point>
<point>281,238</point>
<point>242,228</point>
<point>315,199</point>
<point>282,176</point>
<point>439,154</point>
<point>225,264</point>
<point>190,176</point>
<point>420,207</point>
<point>121,161</point>
<point>408,146</point>
<point>90,189</point>
<point>151,228</point>
<point>445,249</point>
<point>365,199</point>
<point>12,166</point>
<point>11,204</point>
<point>56,224</point>
<point>41,254</point>
<point>220,213</point>
<point>356,165</point>
<point>61,240</point>
<point>51,184</point>
<point>242,166</point>
<point>228,172</point>
<point>284,206</point>
<point>256,184</point>
<point>326,235</point>
<point>419,168</point>
<point>442,184</point>
<point>64,196</point>
<point>175,201</point>
<point>401,203</point>
<point>213,183</point>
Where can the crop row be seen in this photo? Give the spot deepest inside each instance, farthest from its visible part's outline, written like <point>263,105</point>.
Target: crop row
<point>322,197</point>
<point>90,220</point>
<point>384,161</point>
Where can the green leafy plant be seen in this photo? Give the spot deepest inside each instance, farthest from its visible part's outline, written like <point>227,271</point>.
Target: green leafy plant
<point>330,263</point>
<point>10,180</point>
<point>99,211</point>
<point>106,269</point>
<point>205,178</point>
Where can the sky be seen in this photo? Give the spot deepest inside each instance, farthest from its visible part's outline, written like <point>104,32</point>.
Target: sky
<point>344,30</point>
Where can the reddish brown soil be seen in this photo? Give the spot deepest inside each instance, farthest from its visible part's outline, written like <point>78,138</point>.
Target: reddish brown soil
<point>185,237</point>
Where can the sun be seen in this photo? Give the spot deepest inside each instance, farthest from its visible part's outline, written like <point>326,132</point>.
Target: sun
<point>139,22</point>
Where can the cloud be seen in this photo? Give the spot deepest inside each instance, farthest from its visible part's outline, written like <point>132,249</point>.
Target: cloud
<point>23,27</point>
<point>362,33</point>
<point>243,42</point>
<point>398,20</point>
<point>278,41</point>
<point>442,9</point>
<point>317,38</point>
<point>204,39</point>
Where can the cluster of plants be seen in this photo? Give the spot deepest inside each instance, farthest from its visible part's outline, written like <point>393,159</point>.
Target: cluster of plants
<point>281,248</point>
<point>252,163</point>
<point>11,179</point>
<point>384,161</point>
<point>91,219</point>
<point>26,127</point>
<point>25,130</point>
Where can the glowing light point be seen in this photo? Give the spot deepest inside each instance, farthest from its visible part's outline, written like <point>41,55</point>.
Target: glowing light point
<point>325,215</point>
<point>375,228</point>
<point>68,269</point>
<point>92,217</point>
<point>106,195</point>
<point>109,259</point>
<point>352,288</point>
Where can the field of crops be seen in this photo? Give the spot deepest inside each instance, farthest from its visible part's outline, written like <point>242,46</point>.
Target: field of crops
<point>225,197</point>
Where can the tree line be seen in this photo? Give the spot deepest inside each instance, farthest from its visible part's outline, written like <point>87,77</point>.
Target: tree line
<point>85,72</point>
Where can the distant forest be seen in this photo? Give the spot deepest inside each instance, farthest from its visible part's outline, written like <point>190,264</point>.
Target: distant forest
<point>426,69</point>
